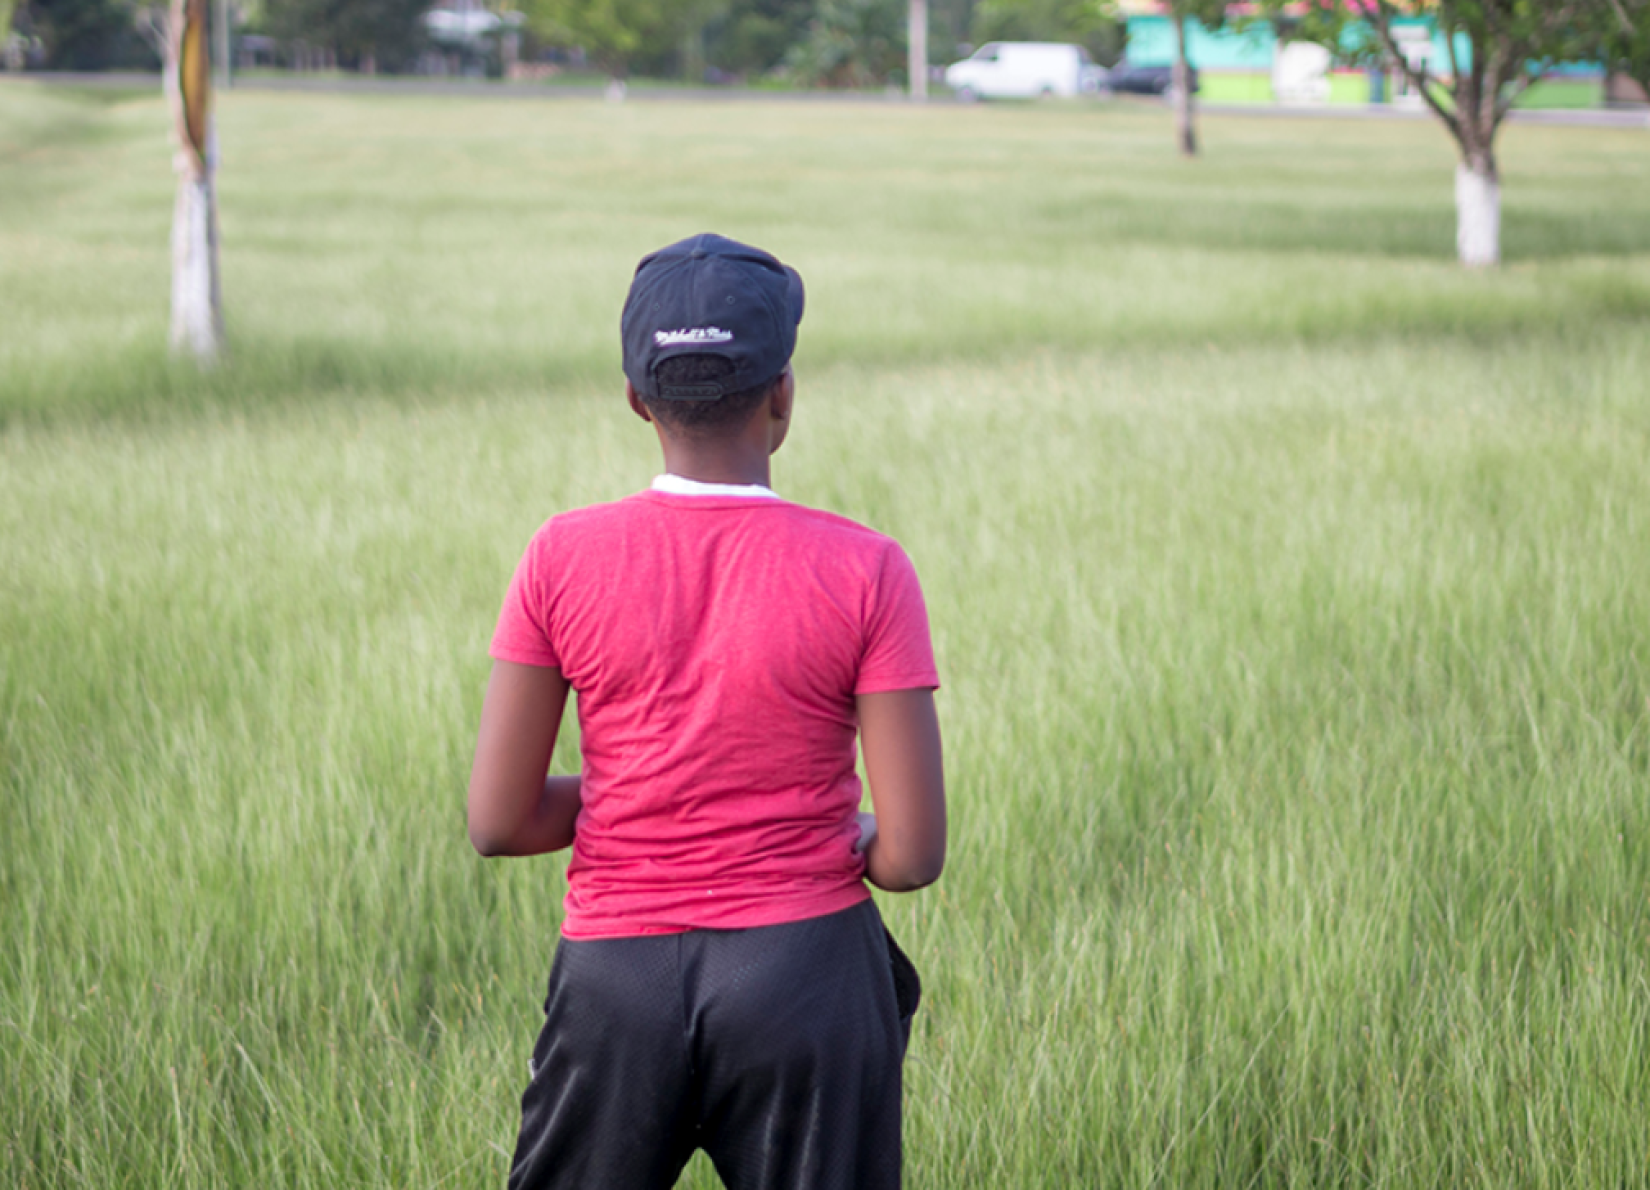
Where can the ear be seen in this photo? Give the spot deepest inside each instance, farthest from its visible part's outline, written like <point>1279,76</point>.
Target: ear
<point>635,399</point>
<point>779,409</point>
<point>784,394</point>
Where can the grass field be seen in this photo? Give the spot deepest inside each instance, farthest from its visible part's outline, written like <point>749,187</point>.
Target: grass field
<point>1290,587</point>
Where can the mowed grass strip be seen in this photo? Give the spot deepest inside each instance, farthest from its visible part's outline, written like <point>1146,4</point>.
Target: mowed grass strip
<point>1296,701</point>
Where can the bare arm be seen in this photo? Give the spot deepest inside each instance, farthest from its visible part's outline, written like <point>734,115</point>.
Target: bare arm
<point>514,807</point>
<point>900,736</point>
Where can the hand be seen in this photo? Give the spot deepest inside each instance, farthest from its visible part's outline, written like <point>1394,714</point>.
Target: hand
<point>867,823</point>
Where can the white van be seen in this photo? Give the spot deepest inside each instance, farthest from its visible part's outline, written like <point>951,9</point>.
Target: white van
<point>1300,73</point>
<point>1025,70</point>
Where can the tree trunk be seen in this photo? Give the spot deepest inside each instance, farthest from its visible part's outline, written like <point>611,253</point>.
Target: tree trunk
<point>1182,87</point>
<point>197,318</point>
<point>1478,211</point>
<point>197,312</point>
<point>916,34</point>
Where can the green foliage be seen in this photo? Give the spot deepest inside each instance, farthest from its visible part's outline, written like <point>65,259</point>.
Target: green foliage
<point>1347,37</point>
<point>388,30</point>
<point>1211,14</point>
<point>617,34</point>
<point>1093,24</point>
<point>751,37</point>
<point>1622,28</point>
<point>87,34</point>
<point>852,43</point>
<point>1518,36</point>
<point>950,28</point>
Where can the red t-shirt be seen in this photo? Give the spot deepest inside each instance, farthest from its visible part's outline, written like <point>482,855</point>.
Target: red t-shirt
<point>716,644</point>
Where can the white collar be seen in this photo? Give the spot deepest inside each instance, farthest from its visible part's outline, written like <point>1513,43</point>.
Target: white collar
<point>675,485</point>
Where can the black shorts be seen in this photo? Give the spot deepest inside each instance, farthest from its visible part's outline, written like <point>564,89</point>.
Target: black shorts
<point>776,1050</point>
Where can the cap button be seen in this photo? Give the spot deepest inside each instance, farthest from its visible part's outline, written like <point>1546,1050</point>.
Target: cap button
<point>697,254</point>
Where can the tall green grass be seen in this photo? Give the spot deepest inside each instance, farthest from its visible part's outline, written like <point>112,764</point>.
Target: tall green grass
<point>1290,590</point>
<point>403,245</point>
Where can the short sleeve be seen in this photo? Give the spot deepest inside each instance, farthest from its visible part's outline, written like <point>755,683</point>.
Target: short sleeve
<point>523,631</point>
<point>898,652</point>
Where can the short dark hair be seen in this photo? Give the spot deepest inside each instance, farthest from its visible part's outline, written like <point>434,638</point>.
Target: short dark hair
<point>704,419</point>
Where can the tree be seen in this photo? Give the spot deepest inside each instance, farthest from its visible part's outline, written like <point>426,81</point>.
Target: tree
<point>1211,14</point>
<point>615,34</point>
<point>750,37</point>
<point>1092,24</point>
<point>852,43</point>
<point>1624,39</point>
<point>951,22</point>
<point>382,33</point>
<point>87,34</point>
<point>1496,49</point>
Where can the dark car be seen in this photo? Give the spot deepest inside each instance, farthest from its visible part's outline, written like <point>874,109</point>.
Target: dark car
<point>1145,80</point>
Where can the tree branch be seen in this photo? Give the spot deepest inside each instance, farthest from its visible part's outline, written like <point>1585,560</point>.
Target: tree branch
<point>1449,47</point>
<point>1532,68</point>
<point>1525,79</point>
<point>151,22</point>
<point>1380,16</point>
<point>1562,17</point>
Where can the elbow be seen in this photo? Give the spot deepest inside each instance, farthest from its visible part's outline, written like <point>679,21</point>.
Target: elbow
<point>908,873</point>
<point>487,839</point>
<point>904,882</point>
<point>908,884</point>
<point>487,818</point>
<point>923,874</point>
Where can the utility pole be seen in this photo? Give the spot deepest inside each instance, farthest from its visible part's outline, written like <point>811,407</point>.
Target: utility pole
<point>221,50</point>
<point>916,38</point>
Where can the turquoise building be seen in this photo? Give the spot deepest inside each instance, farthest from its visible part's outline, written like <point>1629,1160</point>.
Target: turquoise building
<point>1235,62</point>
<point>1151,43</point>
<point>1252,45</point>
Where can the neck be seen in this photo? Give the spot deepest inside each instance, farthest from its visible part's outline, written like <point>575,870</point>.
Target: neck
<point>716,462</point>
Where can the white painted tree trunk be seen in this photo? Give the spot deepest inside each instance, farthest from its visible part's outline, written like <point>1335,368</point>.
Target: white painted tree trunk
<point>197,313</point>
<point>916,31</point>
<point>1477,215</point>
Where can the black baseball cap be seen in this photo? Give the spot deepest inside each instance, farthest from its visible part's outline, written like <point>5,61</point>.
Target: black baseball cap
<point>709,295</point>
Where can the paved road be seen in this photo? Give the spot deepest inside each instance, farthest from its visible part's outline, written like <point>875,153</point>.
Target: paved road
<point>481,88</point>
<point>1631,117</point>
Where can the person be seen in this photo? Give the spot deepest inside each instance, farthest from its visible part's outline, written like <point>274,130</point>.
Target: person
<point>723,980</point>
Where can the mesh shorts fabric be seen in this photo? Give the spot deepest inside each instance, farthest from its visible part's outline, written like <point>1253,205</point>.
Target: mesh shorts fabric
<point>777,1050</point>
